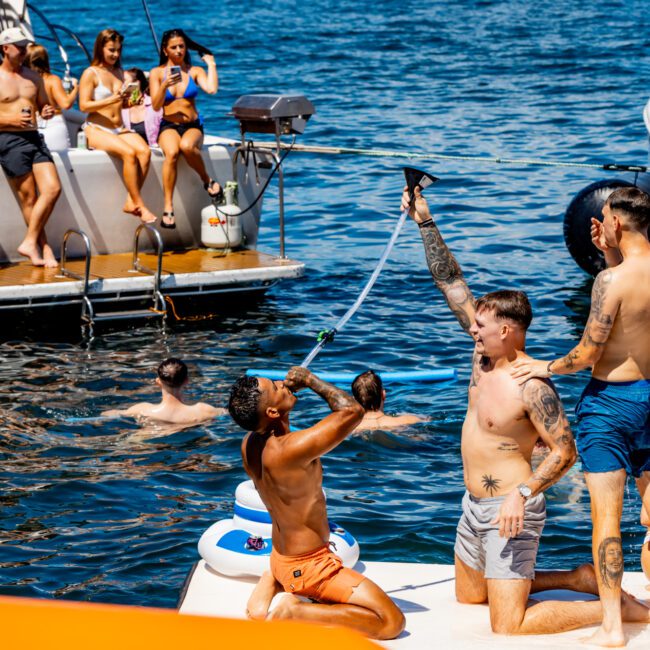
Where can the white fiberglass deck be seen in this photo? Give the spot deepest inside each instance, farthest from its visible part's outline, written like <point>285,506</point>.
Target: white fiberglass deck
<point>425,593</point>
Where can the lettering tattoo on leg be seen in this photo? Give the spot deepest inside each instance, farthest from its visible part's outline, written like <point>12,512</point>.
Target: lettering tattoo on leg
<point>610,562</point>
<point>490,484</point>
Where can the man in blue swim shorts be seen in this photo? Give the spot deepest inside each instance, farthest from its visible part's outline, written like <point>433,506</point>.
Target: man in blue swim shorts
<point>503,510</point>
<point>613,414</point>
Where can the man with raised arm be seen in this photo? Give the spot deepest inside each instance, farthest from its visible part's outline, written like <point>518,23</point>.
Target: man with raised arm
<point>503,507</point>
<point>172,378</point>
<point>286,469</point>
<point>368,390</point>
<point>24,157</point>
<point>613,415</point>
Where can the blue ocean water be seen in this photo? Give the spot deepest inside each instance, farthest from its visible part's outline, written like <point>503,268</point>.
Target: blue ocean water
<point>109,512</point>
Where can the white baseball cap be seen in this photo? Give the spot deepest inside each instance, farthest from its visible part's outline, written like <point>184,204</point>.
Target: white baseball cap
<point>15,36</point>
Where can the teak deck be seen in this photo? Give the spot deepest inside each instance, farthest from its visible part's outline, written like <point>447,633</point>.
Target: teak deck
<point>119,265</point>
<point>184,272</point>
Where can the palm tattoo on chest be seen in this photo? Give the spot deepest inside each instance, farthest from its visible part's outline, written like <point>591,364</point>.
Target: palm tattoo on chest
<point>490,484</point>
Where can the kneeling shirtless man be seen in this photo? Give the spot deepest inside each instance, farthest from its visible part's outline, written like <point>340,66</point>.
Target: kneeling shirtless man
<point>286,469</point>
<point>503,508</point>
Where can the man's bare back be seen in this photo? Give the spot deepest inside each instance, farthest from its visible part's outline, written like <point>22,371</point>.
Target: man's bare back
<point>379,420</point>
<point>287,470</point>
<point>626,355</point>
<point>368,390</point>
<point>172,378</point>
<point>179,413</point>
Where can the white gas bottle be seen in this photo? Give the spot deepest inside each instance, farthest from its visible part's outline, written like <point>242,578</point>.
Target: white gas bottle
<point>221,224</point>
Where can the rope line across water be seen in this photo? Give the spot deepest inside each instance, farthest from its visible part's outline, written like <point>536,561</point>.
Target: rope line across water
<point>388,153</point>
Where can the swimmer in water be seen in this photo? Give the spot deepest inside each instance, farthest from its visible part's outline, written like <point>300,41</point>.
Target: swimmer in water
<point>368,390</point>
<point>172,378</point>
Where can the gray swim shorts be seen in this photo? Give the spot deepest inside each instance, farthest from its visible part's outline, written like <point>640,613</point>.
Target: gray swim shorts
<point>480,547</point>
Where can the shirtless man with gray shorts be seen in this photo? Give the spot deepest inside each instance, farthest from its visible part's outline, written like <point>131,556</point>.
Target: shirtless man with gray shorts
<point>503,507</point>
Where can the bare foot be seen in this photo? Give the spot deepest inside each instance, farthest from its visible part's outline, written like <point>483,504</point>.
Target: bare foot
<point>260,600</point>
<point>633,610</point>
<point>130,207</point>
<point>31,251</point>
<point>146,216</point>
<point>605,639</point>
<point>285,608</point>
<point>48,256</point>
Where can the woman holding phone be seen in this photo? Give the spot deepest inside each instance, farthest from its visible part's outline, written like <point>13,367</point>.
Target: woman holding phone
<point>102,92</point>
<point>174,85</point>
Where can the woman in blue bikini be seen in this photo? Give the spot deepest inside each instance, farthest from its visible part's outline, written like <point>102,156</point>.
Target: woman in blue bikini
<point>181,129</point>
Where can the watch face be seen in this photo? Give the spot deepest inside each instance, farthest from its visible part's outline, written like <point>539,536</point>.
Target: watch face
<point>525,491</point>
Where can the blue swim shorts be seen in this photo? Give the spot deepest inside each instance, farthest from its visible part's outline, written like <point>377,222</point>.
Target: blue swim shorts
<point>613,426</point>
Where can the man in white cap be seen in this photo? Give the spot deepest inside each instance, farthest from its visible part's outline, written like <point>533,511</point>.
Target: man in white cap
<point>24,157</point>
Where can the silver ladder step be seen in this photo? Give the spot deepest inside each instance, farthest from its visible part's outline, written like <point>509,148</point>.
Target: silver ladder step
<point>88,314</point>
<point>126,314</point>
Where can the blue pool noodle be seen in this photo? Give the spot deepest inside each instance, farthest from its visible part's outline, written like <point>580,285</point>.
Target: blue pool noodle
<point>442,374</point>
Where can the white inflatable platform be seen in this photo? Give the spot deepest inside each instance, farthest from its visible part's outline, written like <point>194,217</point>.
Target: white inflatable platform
<point>425,593</point>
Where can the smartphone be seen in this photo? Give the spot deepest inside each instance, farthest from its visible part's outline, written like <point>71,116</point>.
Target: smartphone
<point>175,71</point>
<point>130,87</point>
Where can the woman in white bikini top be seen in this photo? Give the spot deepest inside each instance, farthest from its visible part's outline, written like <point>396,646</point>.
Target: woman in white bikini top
<point>101,95</point>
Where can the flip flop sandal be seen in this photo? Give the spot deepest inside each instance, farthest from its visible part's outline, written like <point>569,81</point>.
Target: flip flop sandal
<point>168,215</point>
<point>218,197</point>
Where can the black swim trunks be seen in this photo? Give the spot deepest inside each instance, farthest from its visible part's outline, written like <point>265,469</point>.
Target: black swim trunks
<point>181,127</point>
<point>21,150</point>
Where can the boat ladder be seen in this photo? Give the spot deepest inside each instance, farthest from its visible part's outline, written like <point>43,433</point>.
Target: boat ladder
<point>89,314</point>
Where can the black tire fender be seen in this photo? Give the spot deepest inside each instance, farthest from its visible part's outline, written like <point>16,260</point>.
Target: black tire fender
<point>588,203</point>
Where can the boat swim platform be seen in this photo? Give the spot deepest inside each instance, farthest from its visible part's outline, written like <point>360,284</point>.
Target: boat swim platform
<point>425,593</point>
<point>184,273</point>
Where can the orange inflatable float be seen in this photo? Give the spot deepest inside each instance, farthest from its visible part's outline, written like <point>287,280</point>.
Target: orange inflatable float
<point>66,625</point>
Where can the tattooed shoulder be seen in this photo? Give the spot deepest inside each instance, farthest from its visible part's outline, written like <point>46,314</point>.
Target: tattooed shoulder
<point>543,403</point>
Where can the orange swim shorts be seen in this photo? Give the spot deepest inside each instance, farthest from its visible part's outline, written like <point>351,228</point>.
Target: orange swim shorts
<point>319,575</point>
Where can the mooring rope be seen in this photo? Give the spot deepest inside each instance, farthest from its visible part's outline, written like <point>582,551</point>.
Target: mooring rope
<point>391,153</point>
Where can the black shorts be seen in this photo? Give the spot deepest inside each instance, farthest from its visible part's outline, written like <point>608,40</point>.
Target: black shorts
<point>21,150</point>
<point>181,127</point>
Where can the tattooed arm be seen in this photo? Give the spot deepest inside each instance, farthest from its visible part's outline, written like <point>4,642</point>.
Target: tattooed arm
<point>545,411</point>
<point>445,270</point>
<point>604,307</point>
<point>308,444</point>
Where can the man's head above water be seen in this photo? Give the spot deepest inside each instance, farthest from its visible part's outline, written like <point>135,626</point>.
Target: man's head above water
<point>172,374</point>
<point>501,321</point>
<point>368,390</point>
<point>257,402</point>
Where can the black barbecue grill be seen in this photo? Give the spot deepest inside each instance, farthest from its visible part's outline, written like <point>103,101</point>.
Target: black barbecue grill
<point>276,114</point>
<point>279,114</point>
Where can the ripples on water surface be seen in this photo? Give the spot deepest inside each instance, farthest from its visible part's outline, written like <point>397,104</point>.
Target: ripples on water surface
<point>113,512</point>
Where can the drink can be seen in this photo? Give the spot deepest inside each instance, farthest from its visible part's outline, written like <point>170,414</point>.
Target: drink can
<point>81,140</point>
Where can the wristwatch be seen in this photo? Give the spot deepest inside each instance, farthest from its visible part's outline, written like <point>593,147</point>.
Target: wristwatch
<point>525,491</point>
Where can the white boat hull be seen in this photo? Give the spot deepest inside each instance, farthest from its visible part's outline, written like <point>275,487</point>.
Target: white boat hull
<point>93,195</point>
